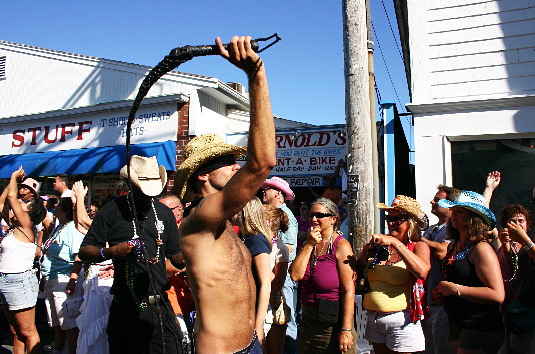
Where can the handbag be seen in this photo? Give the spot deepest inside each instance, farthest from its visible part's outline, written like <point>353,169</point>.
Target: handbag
<point>519,319</point>
<point>328,311</point>
<point>283,313</point>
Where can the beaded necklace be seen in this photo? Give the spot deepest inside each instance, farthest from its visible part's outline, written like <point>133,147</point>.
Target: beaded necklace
<point>514,260</point>
<point>454,254</point>
<point>4,235</point>
<point>139,252</point>
<point>317,255</point>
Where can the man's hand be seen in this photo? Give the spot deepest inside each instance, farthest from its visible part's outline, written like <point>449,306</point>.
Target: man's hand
<point>121,250</point>
<point>71,286</point>
<point>106,272</point>
<point>79,190</point>
<point>241,54</point>
<point>493,180</point>
<point>19,174</point>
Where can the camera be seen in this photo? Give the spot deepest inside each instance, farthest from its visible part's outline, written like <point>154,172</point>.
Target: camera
<point>380,253</point>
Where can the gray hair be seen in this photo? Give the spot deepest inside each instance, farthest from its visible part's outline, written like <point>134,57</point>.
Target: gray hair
<point>331,208</point>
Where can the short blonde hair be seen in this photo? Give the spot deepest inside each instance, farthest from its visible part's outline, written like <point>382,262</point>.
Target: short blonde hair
<point>253,219</point>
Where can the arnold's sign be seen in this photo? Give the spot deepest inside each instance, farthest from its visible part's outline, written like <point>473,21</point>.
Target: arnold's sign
<point>309,152</point>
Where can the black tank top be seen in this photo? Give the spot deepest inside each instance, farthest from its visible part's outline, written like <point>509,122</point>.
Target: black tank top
<point>465,313</point>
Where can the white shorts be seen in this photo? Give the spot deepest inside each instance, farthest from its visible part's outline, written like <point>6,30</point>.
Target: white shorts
<point>62,309</point>
<point>396,330</point>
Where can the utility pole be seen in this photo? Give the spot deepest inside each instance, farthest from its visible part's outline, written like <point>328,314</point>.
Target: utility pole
<point>359,142</point>
<point>373,120</point>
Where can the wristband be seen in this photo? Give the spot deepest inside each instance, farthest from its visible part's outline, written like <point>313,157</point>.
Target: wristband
<point>346,329</point>
<point>102,254</point>
<point>529,245</point>
<point>458,292</point>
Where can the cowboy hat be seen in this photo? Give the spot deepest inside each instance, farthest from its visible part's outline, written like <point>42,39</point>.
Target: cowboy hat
<point>474,202</point>
<point>197,152</point>
<point>408,206</point>
<point>146,174</point>
<point>280,184</point>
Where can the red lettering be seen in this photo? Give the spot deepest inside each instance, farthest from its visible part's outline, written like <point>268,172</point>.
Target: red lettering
<point>34,134</point>
<point>313,161</point>
<point>82,130</point>
<point>47,139</point>
<point>278,141</point>
<point>65,131</point>
<point>324,139</point>
<point>299,161</point>
<point>341,139</point>
<point>309,135</point>
<point>300,141</point>
<point>18,135</point>
<point>288,140</point>
<point>283,162</point>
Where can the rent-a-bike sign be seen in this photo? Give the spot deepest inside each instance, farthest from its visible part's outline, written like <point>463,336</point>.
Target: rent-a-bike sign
<point>309,152</point>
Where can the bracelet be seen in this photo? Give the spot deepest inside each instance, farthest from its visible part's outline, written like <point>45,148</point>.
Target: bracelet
<point>102,254</point>
<point>458,292</point>
<point>346,329</point>
<point>400,249</point>
<point>529,245</point>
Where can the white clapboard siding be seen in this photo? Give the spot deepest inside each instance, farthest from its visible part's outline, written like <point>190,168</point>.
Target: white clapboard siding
<point>483,73</point>
<point>441,10</point>
<point>493,87</point>
<point>481,46</point>
<point>483,59</point>
<point>40,80</point>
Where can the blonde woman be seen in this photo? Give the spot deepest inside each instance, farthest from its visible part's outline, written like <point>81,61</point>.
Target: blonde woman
<point>279,258</point>
<point>257,238</point>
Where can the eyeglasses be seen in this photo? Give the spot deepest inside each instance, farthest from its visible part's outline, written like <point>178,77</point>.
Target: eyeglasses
<point>320,215</point>
<point>177,207</point>
<point>398,220</point>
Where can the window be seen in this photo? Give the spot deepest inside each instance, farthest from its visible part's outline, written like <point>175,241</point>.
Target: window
<point>514,158</point>
<point>2,68</point>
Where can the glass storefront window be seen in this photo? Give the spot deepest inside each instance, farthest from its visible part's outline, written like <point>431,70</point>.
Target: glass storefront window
<point>513,158</point>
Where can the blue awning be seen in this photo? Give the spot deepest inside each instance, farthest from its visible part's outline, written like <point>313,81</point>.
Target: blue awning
<point>107,159</point>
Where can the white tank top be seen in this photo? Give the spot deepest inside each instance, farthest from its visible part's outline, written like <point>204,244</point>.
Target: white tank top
<point>16,256</point>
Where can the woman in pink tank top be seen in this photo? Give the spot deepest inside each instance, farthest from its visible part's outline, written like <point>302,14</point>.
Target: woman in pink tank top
<point>328,293</point>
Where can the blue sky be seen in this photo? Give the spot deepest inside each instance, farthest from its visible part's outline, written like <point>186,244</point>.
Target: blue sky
<point>305,70</point>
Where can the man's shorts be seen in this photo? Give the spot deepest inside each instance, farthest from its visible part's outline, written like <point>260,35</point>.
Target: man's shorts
<point>62,309</point>
<point>252,348</point>
<point>19,290</point>
<point>396,330</point>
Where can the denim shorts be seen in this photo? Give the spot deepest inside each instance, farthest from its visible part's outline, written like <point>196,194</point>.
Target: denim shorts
<point>19,290</point>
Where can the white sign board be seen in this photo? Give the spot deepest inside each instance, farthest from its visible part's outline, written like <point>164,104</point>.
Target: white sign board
<point>309,153</point>
<point>152,124</point>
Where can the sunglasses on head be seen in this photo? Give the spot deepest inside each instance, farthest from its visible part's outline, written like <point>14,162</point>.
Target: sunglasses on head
<point>396,219</point>
<point>320,215</point>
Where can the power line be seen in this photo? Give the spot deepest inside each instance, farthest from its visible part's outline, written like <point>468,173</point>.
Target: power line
<point>392,31</point>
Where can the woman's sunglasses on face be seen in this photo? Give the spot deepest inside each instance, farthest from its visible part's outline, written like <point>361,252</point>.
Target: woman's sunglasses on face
<point>320,215</point>
<point>398,220</point>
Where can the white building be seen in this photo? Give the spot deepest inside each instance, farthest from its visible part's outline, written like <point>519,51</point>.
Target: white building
<point>54,106</point>
<point>472,82</point>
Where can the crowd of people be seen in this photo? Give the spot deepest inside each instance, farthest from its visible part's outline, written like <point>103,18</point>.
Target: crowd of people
<point>223,265</point>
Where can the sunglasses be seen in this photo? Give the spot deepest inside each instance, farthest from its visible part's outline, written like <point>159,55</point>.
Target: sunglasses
<point>320,215</point>
<point>396,219</point>
<point>177,207</point>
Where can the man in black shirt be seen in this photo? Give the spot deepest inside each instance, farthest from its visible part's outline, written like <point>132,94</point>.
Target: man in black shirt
<point>140,320</point>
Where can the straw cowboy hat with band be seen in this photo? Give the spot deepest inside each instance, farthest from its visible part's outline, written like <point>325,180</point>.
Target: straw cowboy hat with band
<point>146,174</point>
<point>408,206</point>
<point>199,151</point>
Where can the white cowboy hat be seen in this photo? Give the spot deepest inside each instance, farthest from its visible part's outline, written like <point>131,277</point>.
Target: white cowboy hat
<point>146,174</point>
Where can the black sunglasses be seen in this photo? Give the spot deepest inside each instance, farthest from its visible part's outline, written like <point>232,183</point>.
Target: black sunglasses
<point>396,219</point>
<point>320,215</point>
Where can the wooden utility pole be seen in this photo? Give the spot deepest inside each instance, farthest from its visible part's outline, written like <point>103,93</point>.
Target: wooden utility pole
<point>359,142</point>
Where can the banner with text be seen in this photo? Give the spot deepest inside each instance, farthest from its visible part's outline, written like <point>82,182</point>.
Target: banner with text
<point>152,124</point>
<point>309,152</point>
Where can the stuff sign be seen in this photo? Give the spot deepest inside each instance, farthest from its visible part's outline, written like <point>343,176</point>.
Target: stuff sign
<point>309,152</point>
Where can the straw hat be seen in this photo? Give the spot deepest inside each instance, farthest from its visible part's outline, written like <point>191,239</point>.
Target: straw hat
<point>280,184</point>
<point>146,174</point>
<point>197,152</point>
<point>474,202</point>
<point>409,206</point>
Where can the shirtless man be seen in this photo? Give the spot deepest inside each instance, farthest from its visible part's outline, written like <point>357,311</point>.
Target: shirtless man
<point>217,262</point>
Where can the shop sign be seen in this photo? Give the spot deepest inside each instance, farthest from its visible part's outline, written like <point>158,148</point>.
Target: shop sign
<point>107,182</point>
<point>152,124</point>
<point>309,152</point>
<point>304,181</point>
